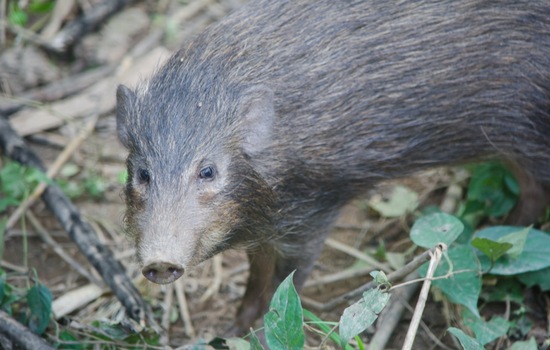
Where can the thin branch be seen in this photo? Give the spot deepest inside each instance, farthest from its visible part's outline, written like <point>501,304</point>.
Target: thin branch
<point>20,334</point>
<point>52,171</point>
<point>421,303</point>
<point>80,231</point>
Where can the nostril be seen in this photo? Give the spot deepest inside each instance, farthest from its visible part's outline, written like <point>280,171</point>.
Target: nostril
<point>162,272</point>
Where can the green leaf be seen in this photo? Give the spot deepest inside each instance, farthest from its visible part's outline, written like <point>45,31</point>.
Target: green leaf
<point>464,286</point>
<point>41,6</point>
<point>534,256</point>
<point>35,176</point>
<point>401,202</point>
<point>493,250</point>
<point>325,327</point>
<point>67,336</point>
<point>494,187</point>
<point>485,332</point>
<point>436,228</point>
<point>360,315</point>
<point>539,278</point>
<point>284,321</point>
<point>18,18</point>
<point>255,343</point>
<point>380,278</point>
<point>467,342</point>
<point>505,290</point>
<point>517,240</point>
<point>40,306</point>
<point>530,344</point>
<point>239,344</point>
<point>109,330</point>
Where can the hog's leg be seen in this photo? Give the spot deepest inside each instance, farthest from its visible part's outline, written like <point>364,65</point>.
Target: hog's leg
<point>533,199</point>
<point>258,291</point>
<point>268,268</point>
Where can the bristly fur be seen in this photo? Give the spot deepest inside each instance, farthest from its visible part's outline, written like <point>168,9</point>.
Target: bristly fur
<point>348,93</point>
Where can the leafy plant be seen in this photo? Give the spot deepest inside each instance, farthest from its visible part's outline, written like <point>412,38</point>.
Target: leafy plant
<point>31,306</point>
<point>88,182</point>
<point>18,15</point>
<point>492,191</point>
<point>17,182</point>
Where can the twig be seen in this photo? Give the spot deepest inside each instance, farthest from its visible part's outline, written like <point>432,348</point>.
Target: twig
<point>20,334</point>
<point>59,250</point>
<point>423,297</point>
<point>16,268</point>
<point>217,280</point>
<point>357,254</point>
<point>168,300</point>
<point>52,171</point>
<point>347,274</point>
<point>75,29</point>
<point>55,90</point>
<point>397,275</point>
<point>24,33</point>
<point>184,310</point>
<point>75,299</point>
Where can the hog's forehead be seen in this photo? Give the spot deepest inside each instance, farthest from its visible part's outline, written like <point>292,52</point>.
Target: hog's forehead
<point>187,128</point>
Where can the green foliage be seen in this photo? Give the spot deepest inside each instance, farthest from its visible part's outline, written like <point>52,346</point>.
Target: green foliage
<point>530,344</point>
<point>507,255</point>
<point>429,230</point>
<point>531,250</point>
<point>106,336</point>
<point>467,342</point>
<point>31,306</point>
<point>484,331</point>
<point>17,182</point>
<point>39,300</point>
<point>20,16</point>
<point>463,284</point>
<point>325,328</point>
<point>492,191</point>
<point>284,321</point>
<point>492,249</point>
<point>76,183</point>
<point>362,314</point>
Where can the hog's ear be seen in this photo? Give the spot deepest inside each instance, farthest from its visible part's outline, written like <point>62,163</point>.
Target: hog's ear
<point>125,102</point>
<point>258,113</point>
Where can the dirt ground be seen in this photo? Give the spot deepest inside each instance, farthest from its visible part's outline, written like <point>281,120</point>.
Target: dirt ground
<point>100,160</point>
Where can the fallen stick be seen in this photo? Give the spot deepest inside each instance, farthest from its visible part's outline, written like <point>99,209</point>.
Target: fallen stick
<point>421,303</point>
<point>110,269</point>
<point>52,171</point>
<point>75,29</point>
<point>397,275</point>
<point>54,91</point>
<point>20,334</point>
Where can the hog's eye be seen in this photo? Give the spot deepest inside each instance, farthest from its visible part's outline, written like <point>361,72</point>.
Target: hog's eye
<point>207,173</point>
<point>143,176</point>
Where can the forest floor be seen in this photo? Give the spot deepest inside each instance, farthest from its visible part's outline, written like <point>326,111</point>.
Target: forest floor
<point>125,48</point>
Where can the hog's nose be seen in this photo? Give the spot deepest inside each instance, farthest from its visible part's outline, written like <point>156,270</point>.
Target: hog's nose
<point>162,272</point>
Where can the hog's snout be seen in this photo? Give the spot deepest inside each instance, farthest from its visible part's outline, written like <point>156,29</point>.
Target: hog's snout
<point>162,272</point>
